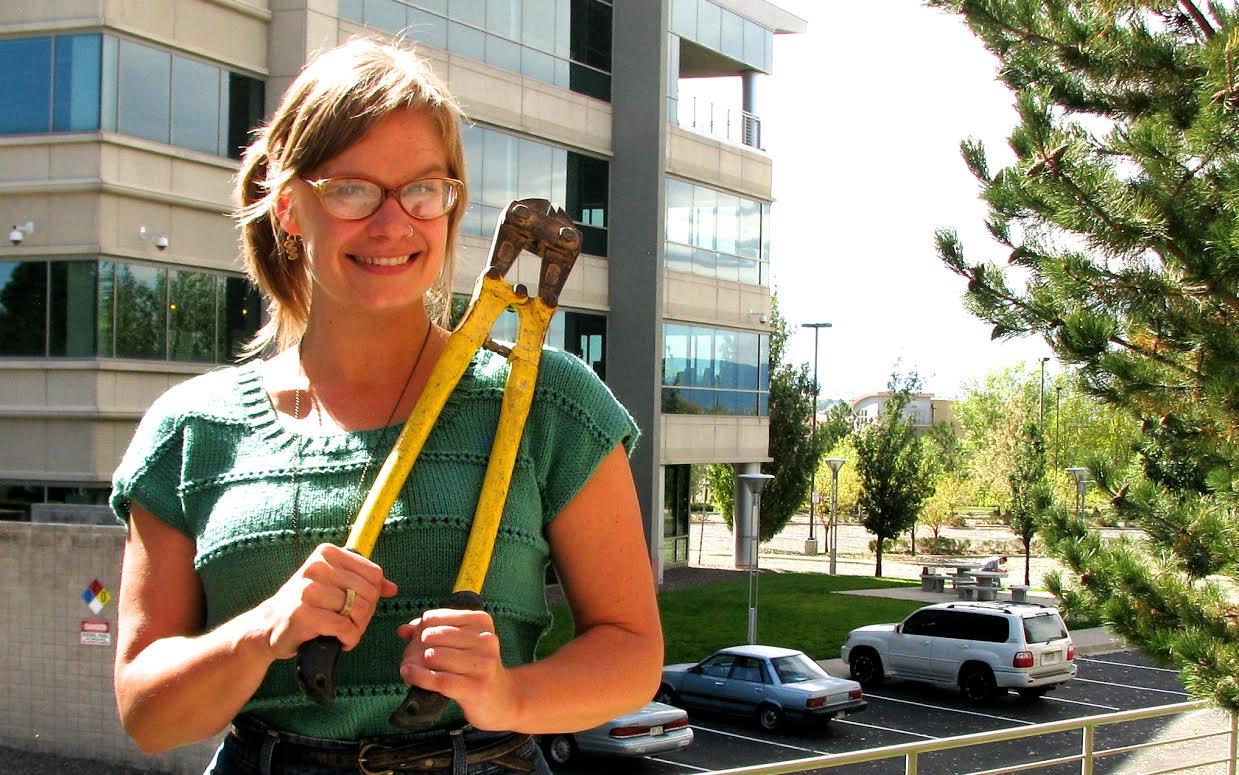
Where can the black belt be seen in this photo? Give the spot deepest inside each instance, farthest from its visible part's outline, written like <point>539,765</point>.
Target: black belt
<point>436,753</point>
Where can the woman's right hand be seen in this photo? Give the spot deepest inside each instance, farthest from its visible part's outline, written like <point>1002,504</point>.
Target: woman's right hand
<point>309,604</point>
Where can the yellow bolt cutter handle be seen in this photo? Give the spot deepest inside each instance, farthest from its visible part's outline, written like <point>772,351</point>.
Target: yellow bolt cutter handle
<point>529,224</point>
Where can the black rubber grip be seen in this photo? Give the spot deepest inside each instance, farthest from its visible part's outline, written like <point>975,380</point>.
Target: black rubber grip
<point>422,708</point>
<point>316,669</point>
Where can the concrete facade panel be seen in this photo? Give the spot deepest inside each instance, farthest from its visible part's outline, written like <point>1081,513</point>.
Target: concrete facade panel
<point>72,219</point>
<point>74,160</point>
<point>21,163</point>
<point>69,451</point>
<point>26,453</point>
<point>72,389</point>
<point>203,239</point>
<point>131,215</point>
<point>23,387</point>
<point>48,11</point>
<point>197,25</point>
<point>156,18</point>
<point>202,182</point>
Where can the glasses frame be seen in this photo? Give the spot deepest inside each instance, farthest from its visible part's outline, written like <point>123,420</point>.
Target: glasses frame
<point>456,186</point>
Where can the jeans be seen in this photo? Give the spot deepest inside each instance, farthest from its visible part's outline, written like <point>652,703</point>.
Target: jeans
<point>237,758</point>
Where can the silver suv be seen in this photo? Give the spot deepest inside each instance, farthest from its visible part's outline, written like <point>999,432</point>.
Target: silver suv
<point>983,648</point>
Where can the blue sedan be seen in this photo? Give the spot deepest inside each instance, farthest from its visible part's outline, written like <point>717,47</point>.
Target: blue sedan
<point>768,683</point>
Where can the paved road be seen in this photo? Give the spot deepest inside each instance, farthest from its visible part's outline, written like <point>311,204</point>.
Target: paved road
<point>901,712</point>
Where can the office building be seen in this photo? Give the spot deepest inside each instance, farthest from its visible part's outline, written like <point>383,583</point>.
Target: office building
<point>120,136</point>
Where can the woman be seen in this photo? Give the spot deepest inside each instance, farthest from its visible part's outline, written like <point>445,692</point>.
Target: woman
<point>240,483</point>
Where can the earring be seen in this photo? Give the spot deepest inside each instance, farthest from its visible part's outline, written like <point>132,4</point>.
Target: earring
<point>292,250</point>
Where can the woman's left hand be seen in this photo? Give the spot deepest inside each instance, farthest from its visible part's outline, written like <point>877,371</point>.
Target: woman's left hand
<point>456,653</point>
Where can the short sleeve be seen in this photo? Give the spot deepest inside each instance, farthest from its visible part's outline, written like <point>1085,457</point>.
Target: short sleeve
<point>150,471</point>
<point>575,423</point>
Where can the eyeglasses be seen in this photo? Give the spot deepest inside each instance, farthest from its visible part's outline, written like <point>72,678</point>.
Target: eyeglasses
<point>352,199</point>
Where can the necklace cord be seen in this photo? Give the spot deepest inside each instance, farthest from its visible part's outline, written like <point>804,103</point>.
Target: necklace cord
<point>382,442</point>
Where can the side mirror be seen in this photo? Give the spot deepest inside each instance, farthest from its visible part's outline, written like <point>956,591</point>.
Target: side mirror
<point>899,627</point>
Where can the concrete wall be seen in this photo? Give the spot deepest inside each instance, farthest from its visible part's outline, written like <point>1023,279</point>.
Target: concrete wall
<point>58,694</point>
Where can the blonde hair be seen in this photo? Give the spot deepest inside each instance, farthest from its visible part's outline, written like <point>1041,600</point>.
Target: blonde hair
<point>337,98</point>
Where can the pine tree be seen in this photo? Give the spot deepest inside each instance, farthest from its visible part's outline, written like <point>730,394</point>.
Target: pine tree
<point>890,460</point>
<point>1120,219</point>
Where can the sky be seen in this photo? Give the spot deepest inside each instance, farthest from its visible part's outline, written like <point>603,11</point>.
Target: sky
<point>863,116</point>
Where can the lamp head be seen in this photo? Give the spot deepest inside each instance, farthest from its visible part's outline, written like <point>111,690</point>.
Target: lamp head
<point>755,482</point>
<point>835,463</point>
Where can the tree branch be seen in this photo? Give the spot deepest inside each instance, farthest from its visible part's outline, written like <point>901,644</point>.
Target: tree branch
<point>1206,28</point>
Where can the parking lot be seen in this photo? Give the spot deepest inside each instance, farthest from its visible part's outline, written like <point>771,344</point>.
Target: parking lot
<point>901,712</point>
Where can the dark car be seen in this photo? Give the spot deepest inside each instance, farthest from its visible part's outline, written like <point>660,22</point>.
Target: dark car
<point>769,683</point>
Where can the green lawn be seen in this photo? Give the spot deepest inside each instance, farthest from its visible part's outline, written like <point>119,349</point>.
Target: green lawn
<point>797,610</point>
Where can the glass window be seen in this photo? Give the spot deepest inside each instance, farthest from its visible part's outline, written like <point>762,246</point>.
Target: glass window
<point>195,105</point>
<point>591,34</point>
<point>559,175</point>
<point>678,258</point>
<point>675,354</point>
<point>144,89</point>
<point>466,41</point>
<point>755,44</point>
<point>766,224</point>
<point>436,6</point>
<point>705,263</point>
<point>1044,628</point>
<point>428,29</point>
<point>534,162</point>
<point>386,15</point>
<point>684,18</point>
<point>726,352</point>
<point>703,363</point>
<point>23,307</point>
<point>538,25</point>
<point>709,25</point>
<point>352,11</point>
<point>921,623</point>
<point>503,53</point>
<point>141,319</point>
<point>727,228</point>
<point>718,665</point>
<point>106,305</point>
<point>763,362</point>
<point>499,168</point>
<point>239,316</point>
<point>733,36</point>
<point>679,212</point>
<point>585,336</point>
<point>704,200</point>
<point>191,316</point>
<point>245,111</point>
<point>746,271</point>
<point>746,669</point>
<point>536,64</point>
<point>468,11</point>
<point>587,189</point>
<point>75,95</point>
<point>74,296</point>
<point>26,82</point>
<point>748,242</point>
<point>563,32</point>
<point>503,17</point>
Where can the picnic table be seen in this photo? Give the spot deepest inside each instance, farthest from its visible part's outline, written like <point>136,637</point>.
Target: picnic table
<point>987,583</point>
<point>933,581</point>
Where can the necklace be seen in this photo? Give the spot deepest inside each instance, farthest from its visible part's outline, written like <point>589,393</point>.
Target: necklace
<point>317,406</point>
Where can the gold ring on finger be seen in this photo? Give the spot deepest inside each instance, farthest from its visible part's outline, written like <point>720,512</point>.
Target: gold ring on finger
<point>350,595</point>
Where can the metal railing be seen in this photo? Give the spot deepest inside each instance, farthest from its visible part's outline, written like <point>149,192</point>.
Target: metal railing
<point>1087,758</point>
<point>737,126</point>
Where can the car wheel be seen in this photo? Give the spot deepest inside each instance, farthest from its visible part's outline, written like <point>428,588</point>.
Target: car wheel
<point>666,695</point>
<point>560,749</point>
<point>866,668</point>
<point>977,684</point>
<point>769,717</point>
<point>1032,694</point>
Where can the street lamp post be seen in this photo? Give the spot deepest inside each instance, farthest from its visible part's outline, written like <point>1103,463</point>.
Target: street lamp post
<point>755,484</point>
<point>1081,476</point>
<point>835,464</point>
<point>810,546</point>
<point>1058,401</point>
<point>1041,403</point>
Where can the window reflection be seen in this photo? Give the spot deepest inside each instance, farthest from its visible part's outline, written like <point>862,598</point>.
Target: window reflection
<point>80,309</point>
<point>713,370</point>
<point>25,76</point>
<point>729,234</point>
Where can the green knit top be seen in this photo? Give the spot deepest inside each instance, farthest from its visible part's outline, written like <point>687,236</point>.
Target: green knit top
<point>213,460</point>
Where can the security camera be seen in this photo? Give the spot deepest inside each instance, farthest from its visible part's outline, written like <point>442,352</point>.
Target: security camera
<point>16,236</point>
<point>764,319</point>
<point>161,242</point>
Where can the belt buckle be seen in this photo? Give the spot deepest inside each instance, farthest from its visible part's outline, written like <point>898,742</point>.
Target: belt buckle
<point>361,761</point>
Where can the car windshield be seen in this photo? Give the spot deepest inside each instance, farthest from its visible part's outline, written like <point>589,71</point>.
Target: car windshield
<point>797,668</point>
<point>1044,628</point>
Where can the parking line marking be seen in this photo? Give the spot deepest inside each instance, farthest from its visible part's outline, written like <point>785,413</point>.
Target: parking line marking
<point>950,710</point>
<point>1127,664</point>
<point>886,729</point>
<point>1129,686</point>
<point>759,740</point>
<point>679,764</point>
<point>1080,702</point>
